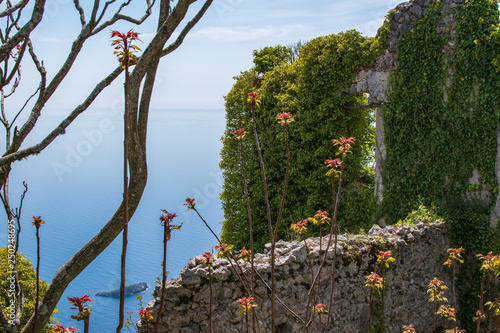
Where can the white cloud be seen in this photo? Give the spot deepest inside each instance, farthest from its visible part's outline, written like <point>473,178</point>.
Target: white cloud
<point>246,33</point>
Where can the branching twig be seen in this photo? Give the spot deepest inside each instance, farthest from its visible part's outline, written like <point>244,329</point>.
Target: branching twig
<point>253,101</point>
<point>80,12</point>
<point>119,17</point>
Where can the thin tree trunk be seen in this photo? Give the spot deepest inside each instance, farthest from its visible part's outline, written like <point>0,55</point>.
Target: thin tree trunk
<point>164,277</point>
<point>210,303</point>
<point>138,118</point>
<point>37,274</point>
<point>125,198</point>
<point>269,221</point>
<point>250,226</point>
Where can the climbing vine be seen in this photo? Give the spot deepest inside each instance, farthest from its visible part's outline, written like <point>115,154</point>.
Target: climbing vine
<point>440,124</point>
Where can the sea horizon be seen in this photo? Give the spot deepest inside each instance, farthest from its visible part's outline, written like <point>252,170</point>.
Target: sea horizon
<point>75,185</point>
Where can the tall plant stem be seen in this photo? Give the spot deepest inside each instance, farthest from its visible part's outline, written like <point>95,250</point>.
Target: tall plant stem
<point>383,302</point>
<point>497,321</point>
<point>287,176</point>
<point>371,309</point>
<point>163,276</point>
<point>231,256</point>
<point>434,320</point>
<point>125,199</point>
<point>480,304</point>
<point>490,314</point>
<point>246,320</point>
<point>269,221</point>
<point>86,325</point>
<point>37,274</point>
<point>210,303</point>
<point>279,300</point>
<point>454,296</point>
<point>250,226</point>
<point>333,231</point>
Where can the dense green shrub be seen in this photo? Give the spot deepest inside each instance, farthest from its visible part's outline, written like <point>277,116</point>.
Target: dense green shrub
<point>269,57</point>
<point>27,281</point>
<point>310,88</point>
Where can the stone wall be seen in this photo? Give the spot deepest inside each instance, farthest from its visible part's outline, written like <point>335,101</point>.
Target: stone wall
<point>419,252</point>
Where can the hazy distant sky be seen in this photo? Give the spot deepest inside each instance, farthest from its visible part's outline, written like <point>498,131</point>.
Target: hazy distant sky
<point>200,72</point>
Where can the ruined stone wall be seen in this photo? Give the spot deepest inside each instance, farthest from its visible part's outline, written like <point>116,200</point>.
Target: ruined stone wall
<point>419,252</point>
<point>375,82</point>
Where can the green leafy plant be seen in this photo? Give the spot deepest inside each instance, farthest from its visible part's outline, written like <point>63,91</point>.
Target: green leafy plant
<point>61,329</point>
<point>83,310</point>
<point>146,316</point>
<point>409,329</point>
<point>436,290</point>
<point>454,258</point>
<point>440,130</point>
<point>165,220</point>
<point>37,222</point>
<point>421,214</point>
<point>26,275</point>
<point>246,308</point>
<point>208,261</point>
<point>384,259</point>
<point>376,283</point>
<point>490,267</point>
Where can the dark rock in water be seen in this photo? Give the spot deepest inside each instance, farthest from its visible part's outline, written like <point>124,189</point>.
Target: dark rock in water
<point>133,289</point>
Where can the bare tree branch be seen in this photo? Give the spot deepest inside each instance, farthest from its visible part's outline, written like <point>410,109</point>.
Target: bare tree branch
<point>117,16</point>
<point>16,66</point>
<point>61,129</point>
<point>44,96</point>
<point>142,80</point>
<point>24,106</point>
<point>36,17</point>
<point>106,5</point>
<point>172,47</point>
<point>95,9</point>
<point>80,12</point>
<point>4,321</point>
<point>39,66</point>
<point>46,93</point>
<point>163,34</point>
<point>10,10</point>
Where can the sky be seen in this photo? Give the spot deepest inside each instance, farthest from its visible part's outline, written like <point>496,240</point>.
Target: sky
<point>200,72</point>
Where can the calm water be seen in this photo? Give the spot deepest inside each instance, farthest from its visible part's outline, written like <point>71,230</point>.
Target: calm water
<point>76,186</point>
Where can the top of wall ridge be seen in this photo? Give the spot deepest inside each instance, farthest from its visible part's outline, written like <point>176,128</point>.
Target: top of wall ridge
<point>288,253</point>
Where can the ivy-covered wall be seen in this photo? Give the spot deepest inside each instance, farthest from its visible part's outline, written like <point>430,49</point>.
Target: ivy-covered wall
<point>442,113</point>
<point>441,121</point>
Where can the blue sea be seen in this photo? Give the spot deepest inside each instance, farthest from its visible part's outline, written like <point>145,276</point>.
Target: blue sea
<point>75,185</point>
